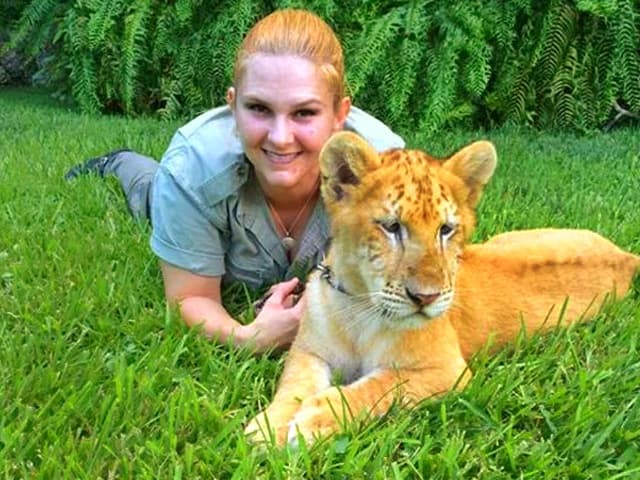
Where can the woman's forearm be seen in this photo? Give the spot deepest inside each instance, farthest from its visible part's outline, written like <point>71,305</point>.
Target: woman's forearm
<point>275,326</point>
<point>215,321</point>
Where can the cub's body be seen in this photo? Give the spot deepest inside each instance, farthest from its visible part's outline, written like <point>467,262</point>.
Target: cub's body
<point>549,276</point>
<point>402,302</point>
<point>491,285</point>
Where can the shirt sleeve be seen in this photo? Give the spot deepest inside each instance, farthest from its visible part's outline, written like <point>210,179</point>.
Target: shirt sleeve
<point>182,235</point>
<point>372,130</point>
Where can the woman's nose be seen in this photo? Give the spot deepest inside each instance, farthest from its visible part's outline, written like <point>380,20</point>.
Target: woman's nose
<point>280,132</point>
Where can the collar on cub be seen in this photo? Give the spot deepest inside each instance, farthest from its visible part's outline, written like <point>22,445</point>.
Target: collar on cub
<point>327,274</point>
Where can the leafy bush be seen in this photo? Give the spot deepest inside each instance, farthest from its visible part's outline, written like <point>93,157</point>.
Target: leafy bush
<point>420,65</point>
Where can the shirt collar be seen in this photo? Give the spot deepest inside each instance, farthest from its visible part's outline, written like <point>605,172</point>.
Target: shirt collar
<point>253,212</point>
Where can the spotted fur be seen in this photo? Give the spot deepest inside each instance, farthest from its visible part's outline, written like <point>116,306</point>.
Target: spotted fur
<point>404,302</point>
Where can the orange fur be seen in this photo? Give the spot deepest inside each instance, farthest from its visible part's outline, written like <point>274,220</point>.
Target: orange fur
<point>408,303</point>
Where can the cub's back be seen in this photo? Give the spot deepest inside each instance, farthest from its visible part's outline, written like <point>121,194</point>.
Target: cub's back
<point>540,273</point>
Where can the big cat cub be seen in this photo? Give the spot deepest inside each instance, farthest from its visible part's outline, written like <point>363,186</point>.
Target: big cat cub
<point>402,302</point>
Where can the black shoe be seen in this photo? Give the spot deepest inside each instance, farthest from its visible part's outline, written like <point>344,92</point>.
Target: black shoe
<point>94,166</point>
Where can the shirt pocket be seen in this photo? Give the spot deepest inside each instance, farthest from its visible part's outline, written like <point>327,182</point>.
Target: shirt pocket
<point>248,262</point>
<point>248,270</point>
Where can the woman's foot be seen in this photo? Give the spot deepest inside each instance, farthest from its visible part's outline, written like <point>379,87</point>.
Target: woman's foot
<point>96,166</point>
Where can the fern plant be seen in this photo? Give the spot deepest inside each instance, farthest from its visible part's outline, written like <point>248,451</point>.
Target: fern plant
<point>133,51</point>
<point>37,15</point>
<point>417,64</point>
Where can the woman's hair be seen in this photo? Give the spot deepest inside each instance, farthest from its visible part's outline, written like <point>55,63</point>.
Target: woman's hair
<point>299,33</point>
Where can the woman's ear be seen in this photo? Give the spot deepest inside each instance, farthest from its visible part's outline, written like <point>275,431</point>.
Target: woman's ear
<point>341,113</point>
<point>231,98</point>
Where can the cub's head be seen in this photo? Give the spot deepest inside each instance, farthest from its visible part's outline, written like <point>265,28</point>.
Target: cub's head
<point>399,222</point>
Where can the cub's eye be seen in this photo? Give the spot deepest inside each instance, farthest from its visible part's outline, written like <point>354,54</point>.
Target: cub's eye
<point>392,226</point>
<point>394,230</point>
<point>447,231</point>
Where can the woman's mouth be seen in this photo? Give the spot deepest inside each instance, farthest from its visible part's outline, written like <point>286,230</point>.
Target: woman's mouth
<point>280,158</point>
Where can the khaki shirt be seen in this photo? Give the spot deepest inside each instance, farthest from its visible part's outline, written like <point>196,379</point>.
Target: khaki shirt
<point>210,217</point>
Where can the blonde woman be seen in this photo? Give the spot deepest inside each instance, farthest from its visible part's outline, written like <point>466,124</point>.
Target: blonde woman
<point>235,197</point>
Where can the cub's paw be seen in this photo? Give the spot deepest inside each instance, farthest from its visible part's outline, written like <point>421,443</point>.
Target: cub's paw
<point>261,429</point>
<point>315,420</point>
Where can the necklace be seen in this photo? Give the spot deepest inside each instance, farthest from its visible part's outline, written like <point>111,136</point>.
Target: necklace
<point>288,242</point>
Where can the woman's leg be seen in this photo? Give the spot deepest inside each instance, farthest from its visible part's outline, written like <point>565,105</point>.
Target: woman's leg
<point>135,173</point>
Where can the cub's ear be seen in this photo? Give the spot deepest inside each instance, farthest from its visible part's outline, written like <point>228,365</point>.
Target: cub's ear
<point>344,160</point>
<point>474,165</point>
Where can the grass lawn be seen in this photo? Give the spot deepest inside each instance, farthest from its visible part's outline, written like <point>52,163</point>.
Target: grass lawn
<point>99,380</point>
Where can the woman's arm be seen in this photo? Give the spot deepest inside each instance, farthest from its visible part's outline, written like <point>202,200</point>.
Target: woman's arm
<point>200,303</point>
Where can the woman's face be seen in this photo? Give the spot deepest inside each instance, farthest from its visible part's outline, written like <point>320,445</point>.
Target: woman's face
<point>284,112</point>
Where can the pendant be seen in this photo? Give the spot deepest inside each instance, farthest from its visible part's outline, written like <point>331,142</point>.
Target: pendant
<point>288,243</point>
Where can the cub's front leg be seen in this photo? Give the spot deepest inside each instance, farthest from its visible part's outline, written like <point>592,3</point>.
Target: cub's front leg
<point>304,375</point>
<point>323,413</point>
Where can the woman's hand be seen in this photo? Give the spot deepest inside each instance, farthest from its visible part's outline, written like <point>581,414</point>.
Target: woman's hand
<point>290,300</point>
<point>200,305</point>
<point>277,322</point>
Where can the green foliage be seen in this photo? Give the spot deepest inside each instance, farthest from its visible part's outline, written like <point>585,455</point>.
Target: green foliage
<point>10,10</point>
<point>33,15</point>
<point>135,32</point>
<point>568,75</point>
<point>417,64</point>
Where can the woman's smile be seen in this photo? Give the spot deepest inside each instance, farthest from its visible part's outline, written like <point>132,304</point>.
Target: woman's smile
<point>281,158</point>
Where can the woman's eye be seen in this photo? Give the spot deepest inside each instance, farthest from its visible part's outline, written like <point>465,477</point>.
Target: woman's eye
<point>306,112</point>
<point>257,108</point>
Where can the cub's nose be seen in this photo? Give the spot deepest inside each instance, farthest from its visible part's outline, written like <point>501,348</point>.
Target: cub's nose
<point>422,299</point>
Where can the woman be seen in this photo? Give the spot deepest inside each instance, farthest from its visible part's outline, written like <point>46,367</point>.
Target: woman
<point>235,197</point>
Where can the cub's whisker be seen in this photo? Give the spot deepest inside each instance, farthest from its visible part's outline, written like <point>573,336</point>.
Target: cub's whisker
<point>363,317</point>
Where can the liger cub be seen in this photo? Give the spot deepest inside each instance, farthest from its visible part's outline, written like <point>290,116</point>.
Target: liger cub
<point>401,302</point>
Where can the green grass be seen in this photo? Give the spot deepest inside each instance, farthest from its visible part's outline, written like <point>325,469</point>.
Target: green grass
<point>99,380</point>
